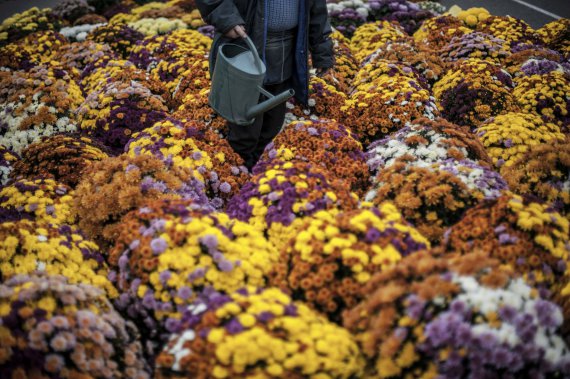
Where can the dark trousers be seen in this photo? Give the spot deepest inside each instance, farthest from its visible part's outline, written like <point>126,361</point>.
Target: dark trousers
<point>249,141</point>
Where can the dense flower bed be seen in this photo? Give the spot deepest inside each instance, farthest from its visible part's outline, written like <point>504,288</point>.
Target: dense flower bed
<point>433,316</point>
<point>524,234</point>
<point>409,221</point>
<point>114,186</point>
<point>543,172</point>
<point>43,200</point>
<point>53,328</point>
<point>258,332</point>
<point>276,200</point>
<point>333,256</point>
<point>474,90</point>
<point>166,254</point>
<point>62,158</point>
<point>507,137</point>
<point>39,102</point>
<point>186,145</point>
<point>324,143</point>
<point>29,247</point>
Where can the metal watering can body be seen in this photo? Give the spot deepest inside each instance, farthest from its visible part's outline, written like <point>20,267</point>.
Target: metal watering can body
<point>237,83</point>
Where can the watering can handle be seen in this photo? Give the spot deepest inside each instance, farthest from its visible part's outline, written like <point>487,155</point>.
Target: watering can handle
<point>258,61</point>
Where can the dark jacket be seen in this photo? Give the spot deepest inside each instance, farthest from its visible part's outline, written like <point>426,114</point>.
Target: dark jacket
<point>312,34</point>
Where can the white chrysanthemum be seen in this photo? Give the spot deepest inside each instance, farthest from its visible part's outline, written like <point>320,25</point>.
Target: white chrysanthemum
<point>79,32</point>
<point>18,139</point>
<point>386,152</point>
<point>518,296</point>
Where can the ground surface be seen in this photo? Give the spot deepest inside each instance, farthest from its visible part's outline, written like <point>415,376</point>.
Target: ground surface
<point>535,12</point>
<point>523,9</point>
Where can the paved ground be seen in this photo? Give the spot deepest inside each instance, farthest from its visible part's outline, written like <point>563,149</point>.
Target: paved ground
<point>9,7</point>
<point>535,12</point>
<point>547,11</point>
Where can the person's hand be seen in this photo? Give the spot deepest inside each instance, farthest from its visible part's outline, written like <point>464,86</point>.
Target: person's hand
<point>322,72</point>
<point>235,32</point>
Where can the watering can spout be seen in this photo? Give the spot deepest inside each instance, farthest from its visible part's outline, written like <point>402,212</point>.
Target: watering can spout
<point>271,102</point>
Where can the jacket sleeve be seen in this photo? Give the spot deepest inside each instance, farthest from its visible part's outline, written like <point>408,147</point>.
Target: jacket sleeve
<point>222,14</point>
<point>320,44</point>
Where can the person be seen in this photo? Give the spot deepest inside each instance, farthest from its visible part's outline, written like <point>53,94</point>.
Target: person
<point>284,32</point>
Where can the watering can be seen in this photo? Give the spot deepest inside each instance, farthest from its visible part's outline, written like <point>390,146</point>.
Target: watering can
<point>237,84</point>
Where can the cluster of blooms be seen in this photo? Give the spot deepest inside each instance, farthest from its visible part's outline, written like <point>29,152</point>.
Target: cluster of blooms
<point>21,24</point>
<point>115,186</point>
<point>74,57</point>
<point>547,96</point>
<point>71,10</point>
<point>324,101</point>
<point>507,137</point>
<point>375,67</point>
<point>167,253</point>
<point>194,20</point>
<point>183,76</point>
<point>52,329</point>
<point>555,34</point>
<point>276,200</point>
<point>333,256</point>
<point>136,13</point>
<point>347,15</point>
<point>475,45</point>
<point>409,15</point>
<point>27,247</point>
<point>526,235</point>
<point>79,33</point>
<point>345,67</point>
<point>543,171</point>
<point>99,74</point>
<point>42,200</point>
<point>453,317</point>
<point>323,143</point>
<point>183,145</point>
<point>513,30</point>
<point>227,164</point>
<point>7,160</point>
<point>155,26</point>
<point>473,16</point>
<point>109,8</point>
<point>543,67</point>
<point>482,181</point>
<point>437,32</point>
<point>195,106</point>
<point>425,142</point>
<point>62,158</point>
<point>120,109</point>
<point>90,19</point>
<point>432,6</point>
<point>36,48</point>
<point>120,37</point>
<point>170,11</point>
<point>36,103</point>
<point>386,105</point>
<point>427,62</point>
<point>258,333</point>
<point>181,43</point>
<point>521,54</point>
<point>207,31</point>
<point>369,37</point>
<point>473,91</point>
<point>431,198</point>
<point>13,57</point>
